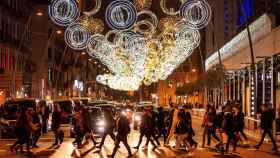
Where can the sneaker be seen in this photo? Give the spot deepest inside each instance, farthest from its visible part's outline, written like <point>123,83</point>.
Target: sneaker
<point>35,146</point>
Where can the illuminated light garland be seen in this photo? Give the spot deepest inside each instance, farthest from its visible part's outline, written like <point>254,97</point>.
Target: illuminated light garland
<point>76,36</point>
<point>167,24</point>
<point>94,25</point>
<point>142,4</point>
<point>196,13</point>
<point>186,37</point>
<point>147,32</point>
<point>121,15</point>
<point>153,17</point>
<point>144,55</point>
<point>93,11</point>
<point>63,12</point>
<point>110,34</point>
<point>171,11</point>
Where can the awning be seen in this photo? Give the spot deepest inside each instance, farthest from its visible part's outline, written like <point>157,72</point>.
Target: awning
<point>237,50</point>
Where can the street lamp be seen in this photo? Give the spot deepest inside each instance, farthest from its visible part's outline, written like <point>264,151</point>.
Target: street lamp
<point>39,13</point>
<point>193,70</point>
<point>58,32</point>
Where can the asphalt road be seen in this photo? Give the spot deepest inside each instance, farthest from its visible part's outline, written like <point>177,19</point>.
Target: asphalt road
<point>67,150</point>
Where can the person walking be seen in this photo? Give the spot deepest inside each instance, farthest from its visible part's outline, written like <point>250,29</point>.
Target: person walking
<point>191,132</point>
<point>87,126</point>
<point>161,124</point>
<point>146,129</point>
<point>123,129</point>
<point>56,118</point>
<point>45,116</point>
<point>109,127</point>
<point>267,118</point>
<point>79,128</point>
<point>238,119</point>
<point>181,129</point>
<point>37,133</point>
<point>19,130</point>
<point>152,132</point>
<point>230,128</point>
<point>173,121</point>
<point>208,125</point>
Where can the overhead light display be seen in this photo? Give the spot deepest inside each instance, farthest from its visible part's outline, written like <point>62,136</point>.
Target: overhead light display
<point>121,14</point>
<point>140,48</point>
<point>63,12</point>
<point>76,36</point>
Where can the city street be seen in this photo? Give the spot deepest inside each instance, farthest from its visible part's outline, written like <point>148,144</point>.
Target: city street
<point>66,150</point>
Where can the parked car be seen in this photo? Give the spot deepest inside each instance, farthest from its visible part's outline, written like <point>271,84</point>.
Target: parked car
<point>9,110</point>
<point>83,100</point>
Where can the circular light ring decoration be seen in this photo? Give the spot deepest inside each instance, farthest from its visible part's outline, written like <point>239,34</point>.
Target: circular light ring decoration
<point>111,33</point>
<point>143,4</point>
<point>101,49</point>
<point>146,32</point>
<point>121,15</point>
<point>63,12</point>
<point>93,45</point>
<point>186,37</point>
<point>76,36</point>
<point>94,25</point>
<point>152,16</point>
<point>167,11</point>
<point>95,9</point>
<point>196,13</point>
<point>127,40</point>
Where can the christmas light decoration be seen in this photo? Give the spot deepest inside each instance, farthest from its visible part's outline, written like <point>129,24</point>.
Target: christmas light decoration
<point>142,4</point>
<point>167,11</point>
<point>63,12</point>
<point>196,13</point>
<point>139,48</point>
<point>93,11</point>
<point>76,36</point>
<point>94,25</point>
<point>121,15</point>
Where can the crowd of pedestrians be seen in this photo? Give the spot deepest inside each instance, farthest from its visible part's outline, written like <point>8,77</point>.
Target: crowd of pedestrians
<point>226,127</point>
<point>29,127</point>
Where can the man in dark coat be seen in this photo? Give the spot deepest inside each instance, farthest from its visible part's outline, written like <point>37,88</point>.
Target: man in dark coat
<point>123,129</point>
<point>109,127</point>
<point>191,133</point>
<point>146,129</point>
<point>56,118</point>
<point>36,134</point>
<point>161,124</point>
<point>267,117</point>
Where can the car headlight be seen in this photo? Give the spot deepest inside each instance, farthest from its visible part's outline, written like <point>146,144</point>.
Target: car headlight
<point>100,123</point>
<point>137,118</point>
